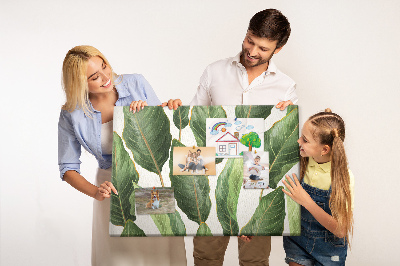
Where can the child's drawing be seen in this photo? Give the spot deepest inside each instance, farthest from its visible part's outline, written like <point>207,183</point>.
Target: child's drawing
<point>232,136</point>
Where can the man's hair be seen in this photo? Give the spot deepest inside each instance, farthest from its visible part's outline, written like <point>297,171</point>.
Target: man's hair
<point>270,24</point>
<point>199,150</point>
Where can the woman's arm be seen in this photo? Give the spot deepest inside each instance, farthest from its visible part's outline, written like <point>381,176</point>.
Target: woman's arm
<point>69,151</point>
<point>80,183</point>
<point>299,195</point>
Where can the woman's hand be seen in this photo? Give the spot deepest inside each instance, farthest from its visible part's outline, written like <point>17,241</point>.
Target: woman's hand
<point>246,238</point>
<point>137,106</point>
<point>296,191</point>
<point>172,104</point>
<point>104,191</point>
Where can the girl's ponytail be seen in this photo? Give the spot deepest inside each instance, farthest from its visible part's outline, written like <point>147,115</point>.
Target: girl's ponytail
<point>340,200</point>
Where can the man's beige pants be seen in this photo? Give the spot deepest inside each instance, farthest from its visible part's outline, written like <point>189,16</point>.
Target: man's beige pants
<point>210,250</point>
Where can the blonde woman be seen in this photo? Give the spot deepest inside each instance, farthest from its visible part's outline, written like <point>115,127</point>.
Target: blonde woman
<point>92,90</point>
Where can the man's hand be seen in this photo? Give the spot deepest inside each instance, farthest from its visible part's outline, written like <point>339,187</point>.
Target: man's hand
<point>246,239</point>
<point>283,105</point>
<point>172,104</point>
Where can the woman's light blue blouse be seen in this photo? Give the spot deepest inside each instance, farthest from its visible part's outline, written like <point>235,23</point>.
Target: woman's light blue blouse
<point>75,129</point>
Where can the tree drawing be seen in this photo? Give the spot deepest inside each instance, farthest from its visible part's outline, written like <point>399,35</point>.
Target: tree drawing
<point>251,140</point>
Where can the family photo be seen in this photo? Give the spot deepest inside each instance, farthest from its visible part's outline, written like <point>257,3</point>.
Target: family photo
<point>197,161</point>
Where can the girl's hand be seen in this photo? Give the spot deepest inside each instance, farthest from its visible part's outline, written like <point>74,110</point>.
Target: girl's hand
<point>137,106</point>
<point>172,104</point>
<point>246,238</point>
<point>104,191</point>
<point>296,191</point>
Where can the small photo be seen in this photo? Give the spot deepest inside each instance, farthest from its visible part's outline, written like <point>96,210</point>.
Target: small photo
<point>255,170</point>
<point>233,136</point>
<point>155,200</point>
<point>194,161</point>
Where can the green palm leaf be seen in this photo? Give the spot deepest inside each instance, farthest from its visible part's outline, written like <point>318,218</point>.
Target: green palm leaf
<point>268,218</point>
<point>131,229</point>
<point>169,224</point>
<point>281,143</point>
<point>181,118</point>
<point>123,175</point>
<point>147,135</point>
<point>253,111</point>
<point>192,193</point>
<point>227,194</point>
<point>293,216</point>
<point>204,230</point>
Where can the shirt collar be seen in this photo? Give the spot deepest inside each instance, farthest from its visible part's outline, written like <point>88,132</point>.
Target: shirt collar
<point>326,167</point>
<point>271,65</point>
<point>121,89</point>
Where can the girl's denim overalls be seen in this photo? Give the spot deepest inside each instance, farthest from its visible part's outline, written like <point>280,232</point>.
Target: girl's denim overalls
<point>316,245</point>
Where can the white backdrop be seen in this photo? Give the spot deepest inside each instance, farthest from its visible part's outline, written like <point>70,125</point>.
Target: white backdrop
<point>343,55</point>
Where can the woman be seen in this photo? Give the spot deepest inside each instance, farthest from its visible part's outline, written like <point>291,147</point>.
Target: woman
<point>92,90</point>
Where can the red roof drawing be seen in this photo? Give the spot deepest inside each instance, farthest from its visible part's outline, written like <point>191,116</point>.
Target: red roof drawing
<point>235,138</point>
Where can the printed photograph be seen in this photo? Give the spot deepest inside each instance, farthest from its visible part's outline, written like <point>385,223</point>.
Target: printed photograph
<point>255,170</point>
<point>194,161</point>
<point>154,200</point>
<point>233,136</point>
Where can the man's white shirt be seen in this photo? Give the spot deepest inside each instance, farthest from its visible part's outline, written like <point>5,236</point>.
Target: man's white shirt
<point>225,82</point>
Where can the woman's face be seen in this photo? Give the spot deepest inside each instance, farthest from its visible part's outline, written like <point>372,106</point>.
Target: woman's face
<point>98,76</point>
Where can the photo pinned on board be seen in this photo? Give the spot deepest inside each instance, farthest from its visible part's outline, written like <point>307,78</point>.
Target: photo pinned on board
<point>154,200</point>
<point>194,161</point>
<point>255,169</point>
<point>233,136</point>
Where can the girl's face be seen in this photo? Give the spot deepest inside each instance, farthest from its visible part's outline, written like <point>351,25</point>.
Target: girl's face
<point>98,76</point>
<point>309,147</point>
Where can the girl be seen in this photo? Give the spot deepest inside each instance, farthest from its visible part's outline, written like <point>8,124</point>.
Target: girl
<point>92,90</point>
<point>325,194</point>
<point>189,159</point>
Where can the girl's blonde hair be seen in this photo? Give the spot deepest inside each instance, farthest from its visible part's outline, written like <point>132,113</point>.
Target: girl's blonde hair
<point>74,79</point>
<point>329,129</point>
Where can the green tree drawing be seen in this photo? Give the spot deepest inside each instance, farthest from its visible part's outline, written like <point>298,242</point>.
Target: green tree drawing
<point>251,140</point>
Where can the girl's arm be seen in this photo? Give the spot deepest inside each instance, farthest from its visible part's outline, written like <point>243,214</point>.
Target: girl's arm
<point>80,183</point>
<point>299,195</point>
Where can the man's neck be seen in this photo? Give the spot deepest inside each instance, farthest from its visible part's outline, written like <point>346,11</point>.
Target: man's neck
<point>254,72</point>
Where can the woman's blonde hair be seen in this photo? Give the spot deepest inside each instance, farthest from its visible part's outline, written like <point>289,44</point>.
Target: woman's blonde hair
<point>329,129</point>
<point>74,78</point>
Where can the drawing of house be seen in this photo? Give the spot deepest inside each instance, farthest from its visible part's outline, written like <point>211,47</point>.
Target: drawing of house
<point>228,145</point>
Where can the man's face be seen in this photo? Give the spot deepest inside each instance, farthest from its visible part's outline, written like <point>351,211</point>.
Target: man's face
<point>257,51</point>
<point>198,153</point>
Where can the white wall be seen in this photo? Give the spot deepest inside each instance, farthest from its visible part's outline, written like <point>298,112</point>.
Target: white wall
<point>344,55</point>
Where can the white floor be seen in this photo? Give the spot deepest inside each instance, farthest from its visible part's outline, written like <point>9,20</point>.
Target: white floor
<point>231,256</point>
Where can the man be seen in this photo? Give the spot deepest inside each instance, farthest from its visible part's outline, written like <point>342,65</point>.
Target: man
<point>200,163</point>
<point>249,78</point>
